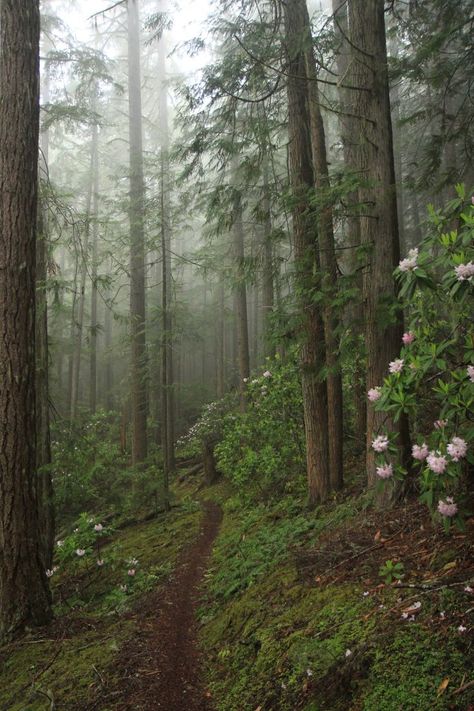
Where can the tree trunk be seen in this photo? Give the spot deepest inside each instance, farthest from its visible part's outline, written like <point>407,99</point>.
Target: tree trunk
<point>328,264</point>
<point>78,323</point>
<point>240,295</point>
<point>267,271</point>
<point>168,406</point>
<point>43,439</point>
<point>137,243</point>
<point>95,239</point>
<point>108,375</point>
<point>220,340</point>
<point>313,347</point>
<point>24,593</point>
<point>379,223</point>
<point>72,333</point>
<point>209,462</point>
<point>348,126</point>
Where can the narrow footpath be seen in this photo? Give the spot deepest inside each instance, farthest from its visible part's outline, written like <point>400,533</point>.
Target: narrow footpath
<point>160,667</point>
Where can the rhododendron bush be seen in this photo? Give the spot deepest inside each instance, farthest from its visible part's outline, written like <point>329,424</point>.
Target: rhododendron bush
<point>432,380</point>
<point>261,449</point>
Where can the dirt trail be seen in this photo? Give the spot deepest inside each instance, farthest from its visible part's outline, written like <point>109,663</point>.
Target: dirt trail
<point>160,666</point>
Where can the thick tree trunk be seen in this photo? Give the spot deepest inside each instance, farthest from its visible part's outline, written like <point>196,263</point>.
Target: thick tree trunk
<point>24,594</point>
<point>137,243</point>
<point>313,347</point>
<point>327,260</point>
<point>43,439</point>
<point>379,223</point>
<point>348,126</point>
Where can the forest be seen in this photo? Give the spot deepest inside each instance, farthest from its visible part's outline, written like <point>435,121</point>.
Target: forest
<point>236,355</point>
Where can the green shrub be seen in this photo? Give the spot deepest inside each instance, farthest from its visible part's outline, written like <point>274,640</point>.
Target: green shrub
<point>262,450</point>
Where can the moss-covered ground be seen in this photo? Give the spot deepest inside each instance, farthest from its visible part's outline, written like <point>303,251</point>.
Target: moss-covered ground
<point>294,614</point>
<point>279,638</point>
<point>68,665</point>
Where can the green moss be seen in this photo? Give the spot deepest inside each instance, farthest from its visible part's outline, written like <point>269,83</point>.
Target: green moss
<point>408,671</point>
<point>160,539</point>
<point>264,641</point>
<point>254,540</point>
<point>67,671</point>
<point>275,642</point>
<point>71,669</point>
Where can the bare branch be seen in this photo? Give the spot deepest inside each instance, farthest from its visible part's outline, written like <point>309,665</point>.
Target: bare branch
<point>107,9</point>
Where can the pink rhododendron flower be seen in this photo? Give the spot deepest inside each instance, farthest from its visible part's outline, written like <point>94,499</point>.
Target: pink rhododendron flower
<point>448,507</point>
<point>131,572</point>
<point>385,471</point>
<point>396,365</point>
<point>380,443</point>
<point>465,272</point>
<point>410,262</point>
<point>470,372</point>
<point>374,394</point>
<point>59,543</point>
<point>420,452</point>
<point>439,424</point>
<point>100,562</point>
<point>408,338</point>
<point>457,448</point>
<point>80,552</point>
<point>437,462</point>
<point>462,628</point>
<point>267,374</point>
<point>98,527</point>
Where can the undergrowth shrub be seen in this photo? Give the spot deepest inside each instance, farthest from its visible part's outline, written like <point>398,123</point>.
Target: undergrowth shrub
<point>86,461</point>
<point>433,379</point>
<point>90,471</point>
<point>262,449</point>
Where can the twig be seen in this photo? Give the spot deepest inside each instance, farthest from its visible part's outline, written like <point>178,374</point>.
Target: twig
<point>102,12</point>
<point>464,687</point>
<point>99,675</point>
<point>44,693</point>
<point>362,552</point>
<point>421,586</point>
<point>48,665</point>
